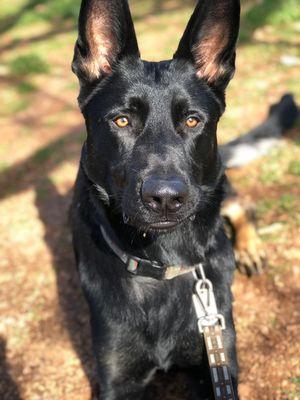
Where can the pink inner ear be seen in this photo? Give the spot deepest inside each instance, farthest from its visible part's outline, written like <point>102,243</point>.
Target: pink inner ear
<point>102,45</point>
<point>207,52</point>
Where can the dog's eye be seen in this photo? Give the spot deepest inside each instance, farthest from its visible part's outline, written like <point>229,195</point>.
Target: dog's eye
<point>121,122</point>
<point>192,122</point>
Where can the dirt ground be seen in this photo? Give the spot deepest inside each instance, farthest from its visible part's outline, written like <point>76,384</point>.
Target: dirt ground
<point>45,349</point>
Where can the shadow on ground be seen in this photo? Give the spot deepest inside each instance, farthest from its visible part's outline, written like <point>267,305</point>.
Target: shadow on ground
<point>53,212</point>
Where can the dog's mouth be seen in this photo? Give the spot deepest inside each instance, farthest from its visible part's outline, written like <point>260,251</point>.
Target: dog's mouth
<point>157,226</point>
<point>163,225</point>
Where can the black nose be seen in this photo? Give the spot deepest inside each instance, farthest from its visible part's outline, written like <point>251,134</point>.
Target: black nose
<point>164,196</point>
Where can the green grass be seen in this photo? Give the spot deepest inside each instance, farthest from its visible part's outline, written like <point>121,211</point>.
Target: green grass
<point>57,151</point>
<point>26,87</point>
<point>295,380</point>
<point>256,14</point>
<point>28,64</point>
<point>269,12</point>
<point>270,173</point>
<point>273,12</point>
<point>24,13</point>
<point>42,191</point>
<point>20,105</point>
<point>287,203</point>
<point>44,154</point>
<point>265,205</point>
<point>3,166</point>
<point>294,168</point>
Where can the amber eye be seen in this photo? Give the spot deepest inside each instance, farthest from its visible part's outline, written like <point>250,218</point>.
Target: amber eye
<point>192,122</point>
<point>121,122</point>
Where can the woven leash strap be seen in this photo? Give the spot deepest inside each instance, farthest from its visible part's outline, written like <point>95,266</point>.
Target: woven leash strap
<point>219,370</point>
<point>211,324</point>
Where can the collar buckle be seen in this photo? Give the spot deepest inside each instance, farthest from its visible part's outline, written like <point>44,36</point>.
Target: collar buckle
<point>147,268</point>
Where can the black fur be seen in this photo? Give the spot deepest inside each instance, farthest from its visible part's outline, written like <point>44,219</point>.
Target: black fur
<point>140,324</point>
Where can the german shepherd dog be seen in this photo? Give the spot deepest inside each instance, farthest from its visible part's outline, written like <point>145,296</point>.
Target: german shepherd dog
<point>149,191</point>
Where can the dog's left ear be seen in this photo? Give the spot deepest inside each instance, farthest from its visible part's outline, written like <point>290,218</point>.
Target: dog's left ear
<point>209,41</point>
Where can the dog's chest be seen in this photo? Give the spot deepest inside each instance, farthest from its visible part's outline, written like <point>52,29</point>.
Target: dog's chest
<point>170,325</point>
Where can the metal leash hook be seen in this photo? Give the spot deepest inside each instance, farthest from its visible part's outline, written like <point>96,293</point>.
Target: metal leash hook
<point>211,324</point>
<point>205,306</point>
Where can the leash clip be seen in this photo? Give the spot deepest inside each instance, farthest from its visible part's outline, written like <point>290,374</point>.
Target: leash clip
<point>205,302</point>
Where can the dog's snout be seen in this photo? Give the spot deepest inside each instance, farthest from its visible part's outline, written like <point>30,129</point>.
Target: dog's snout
<point>163,196</point>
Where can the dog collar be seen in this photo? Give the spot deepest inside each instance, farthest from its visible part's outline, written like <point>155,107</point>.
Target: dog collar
<point>135,265</point>
<point>143,267</point>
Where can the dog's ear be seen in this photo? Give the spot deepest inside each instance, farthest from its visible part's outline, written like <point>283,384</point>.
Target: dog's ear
<point>106,34</point>
<point>209,40</point>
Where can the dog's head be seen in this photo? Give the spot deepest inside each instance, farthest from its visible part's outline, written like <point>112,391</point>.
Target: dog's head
<point>151,149</point>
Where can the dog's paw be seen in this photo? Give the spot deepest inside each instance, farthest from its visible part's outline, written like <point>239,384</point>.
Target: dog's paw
<point>249,251</point>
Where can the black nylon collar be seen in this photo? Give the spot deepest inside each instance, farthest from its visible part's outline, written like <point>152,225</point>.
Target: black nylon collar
<point>141,266</point>
<point>135,265</point>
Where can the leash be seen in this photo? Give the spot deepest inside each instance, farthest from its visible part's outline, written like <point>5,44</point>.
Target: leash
<point>211,324</point>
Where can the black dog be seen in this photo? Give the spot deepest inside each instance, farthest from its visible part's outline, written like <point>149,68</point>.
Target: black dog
<point>149,187</point>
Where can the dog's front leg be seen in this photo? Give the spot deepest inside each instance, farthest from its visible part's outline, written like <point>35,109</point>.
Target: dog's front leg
<point>123,378</point>
<point>124,366</point>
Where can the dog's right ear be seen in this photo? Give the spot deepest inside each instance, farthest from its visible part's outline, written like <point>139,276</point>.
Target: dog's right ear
<point>106,34</point>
